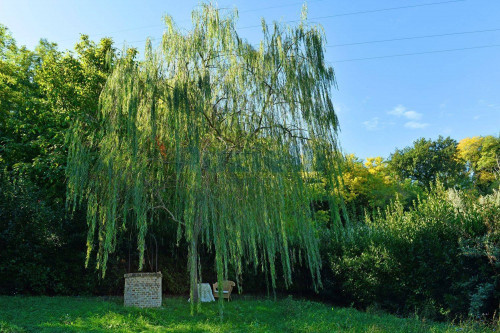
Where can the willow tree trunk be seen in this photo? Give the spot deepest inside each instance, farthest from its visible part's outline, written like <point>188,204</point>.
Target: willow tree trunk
<point>193,261</point>
<point>193,270</point>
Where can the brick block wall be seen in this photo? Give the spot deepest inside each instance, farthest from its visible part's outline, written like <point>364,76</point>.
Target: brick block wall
<point>142,290</point>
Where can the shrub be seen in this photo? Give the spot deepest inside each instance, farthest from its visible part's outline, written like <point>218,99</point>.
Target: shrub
<point>438,259</point>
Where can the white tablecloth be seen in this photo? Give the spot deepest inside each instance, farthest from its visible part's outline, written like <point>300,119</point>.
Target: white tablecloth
<point>205,292</point>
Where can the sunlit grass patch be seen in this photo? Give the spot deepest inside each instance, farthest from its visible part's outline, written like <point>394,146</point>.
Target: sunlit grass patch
<point>244,314</point>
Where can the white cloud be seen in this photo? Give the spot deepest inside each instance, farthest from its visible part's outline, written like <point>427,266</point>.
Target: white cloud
<point>402,111</point>
<point>489,105</point>
<point>415,125</point>
<point>397,111</point>
<point>412,115</point>
<point>371,124</point>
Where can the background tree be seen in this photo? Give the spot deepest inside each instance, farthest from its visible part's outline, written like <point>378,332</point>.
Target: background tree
<point>40,92</point>
<point>482,157</point>
<point>371,185</point>
<point>19,103</point>
<point>429,160</point>
<point>367,185</point>
<point>218,137</point>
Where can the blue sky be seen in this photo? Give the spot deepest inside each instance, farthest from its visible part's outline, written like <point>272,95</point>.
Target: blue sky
<point>382,103</point>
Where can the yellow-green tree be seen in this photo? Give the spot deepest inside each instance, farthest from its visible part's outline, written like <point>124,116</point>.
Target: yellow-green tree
<point>371,185</point>
<point>482,157</point>
<point>368,184</point>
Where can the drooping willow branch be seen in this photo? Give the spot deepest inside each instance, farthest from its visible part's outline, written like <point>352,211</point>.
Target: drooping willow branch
<point>223,137</point>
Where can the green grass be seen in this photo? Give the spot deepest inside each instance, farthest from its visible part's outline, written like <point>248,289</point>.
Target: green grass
<point>246,314</point>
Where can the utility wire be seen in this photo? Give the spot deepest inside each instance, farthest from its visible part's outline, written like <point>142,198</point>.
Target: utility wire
<point>362,12</point>
<point>418,53</point>
<point>409,54</point>
<point>414,37</point>
<point>374,41</point>
<point>368,11</point>
<point>290,21</point>
<point>162,25</point>
<point>280,6</point>
<point>387,40</point>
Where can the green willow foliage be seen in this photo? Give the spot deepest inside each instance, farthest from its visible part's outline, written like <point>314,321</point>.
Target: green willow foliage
<point>219,137</point>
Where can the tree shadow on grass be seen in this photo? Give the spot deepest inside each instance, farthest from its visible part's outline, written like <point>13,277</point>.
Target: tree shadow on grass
<point>93,314</point>
<point>66,314</point>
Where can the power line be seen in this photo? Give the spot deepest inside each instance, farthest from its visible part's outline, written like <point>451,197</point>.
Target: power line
<point>280,6</point>
<point>290,21</point>
<point>415,53</point>
<point>418,53</point>
<point>391,39</point>
<point>367,11</point>
<point>357,13</point>
<point>161,25</point>
<point>414,37</point>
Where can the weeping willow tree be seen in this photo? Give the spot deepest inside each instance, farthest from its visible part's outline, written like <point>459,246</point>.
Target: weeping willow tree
<point>219,137</point>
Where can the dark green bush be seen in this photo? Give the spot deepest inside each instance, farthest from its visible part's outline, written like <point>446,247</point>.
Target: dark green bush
<point>438,259</point>
<point>43,249</point>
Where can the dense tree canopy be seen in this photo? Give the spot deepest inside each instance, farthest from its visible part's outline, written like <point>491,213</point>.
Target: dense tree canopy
<point>217,136</point>
<point>367,184</point>
<point>41,90</point>
<point>482,157</point>
<point>429,160</point>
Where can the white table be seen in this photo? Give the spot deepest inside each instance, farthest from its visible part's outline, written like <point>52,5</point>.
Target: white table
<point>205,292</point>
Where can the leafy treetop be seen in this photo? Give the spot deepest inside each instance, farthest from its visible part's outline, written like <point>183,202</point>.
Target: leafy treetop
<point>217,136</point>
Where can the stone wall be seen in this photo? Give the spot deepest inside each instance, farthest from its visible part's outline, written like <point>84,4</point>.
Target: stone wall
<point>142,290</point>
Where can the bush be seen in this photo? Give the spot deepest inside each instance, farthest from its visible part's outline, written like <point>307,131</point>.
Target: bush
<point>43,249</point>
<point>438,259</point>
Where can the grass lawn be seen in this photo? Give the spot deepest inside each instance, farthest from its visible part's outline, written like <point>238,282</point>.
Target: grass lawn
<point>94,314</point>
